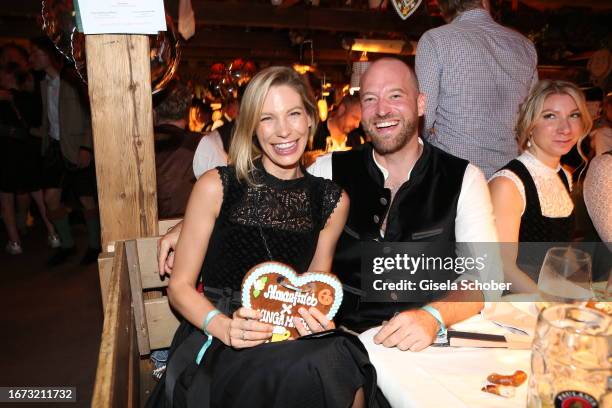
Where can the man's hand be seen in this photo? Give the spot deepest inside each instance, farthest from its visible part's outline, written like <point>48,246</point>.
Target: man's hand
<point>84,158</point>
<point>411,330</point>
<point>165,249</point>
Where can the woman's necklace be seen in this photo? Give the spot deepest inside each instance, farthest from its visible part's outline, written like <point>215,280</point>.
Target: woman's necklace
<point>259,227</point>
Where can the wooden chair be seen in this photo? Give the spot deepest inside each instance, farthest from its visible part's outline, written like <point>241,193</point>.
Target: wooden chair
<point>117,380</point>
<point>105,260</point>
<point>137,320</point>
<point>155,321</point>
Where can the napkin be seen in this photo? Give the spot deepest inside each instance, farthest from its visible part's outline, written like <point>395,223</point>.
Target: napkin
<point>509,316</point>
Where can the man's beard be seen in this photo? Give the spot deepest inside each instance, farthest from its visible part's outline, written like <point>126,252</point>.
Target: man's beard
<point>391,144</point>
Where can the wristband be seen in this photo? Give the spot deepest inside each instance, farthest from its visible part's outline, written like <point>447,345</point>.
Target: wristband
<point>434,312</point>
<point>209,316</point>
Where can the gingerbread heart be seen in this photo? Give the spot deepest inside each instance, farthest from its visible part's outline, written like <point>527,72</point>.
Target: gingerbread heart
<point>278,292</point>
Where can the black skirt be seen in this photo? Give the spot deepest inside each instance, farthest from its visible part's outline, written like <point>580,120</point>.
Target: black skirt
<point>321,370</point>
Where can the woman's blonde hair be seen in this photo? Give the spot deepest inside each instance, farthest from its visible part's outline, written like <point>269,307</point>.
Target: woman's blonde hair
<point>244,148</point>
<point>532,108</point>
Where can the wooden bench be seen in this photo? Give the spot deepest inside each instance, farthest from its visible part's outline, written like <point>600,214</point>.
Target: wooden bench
<point>105,260</point>
<point>137,320</point>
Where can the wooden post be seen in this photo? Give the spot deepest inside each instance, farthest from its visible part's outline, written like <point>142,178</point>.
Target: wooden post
<point>118,71</point>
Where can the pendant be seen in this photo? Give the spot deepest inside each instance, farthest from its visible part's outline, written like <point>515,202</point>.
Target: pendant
<point>405,8</point>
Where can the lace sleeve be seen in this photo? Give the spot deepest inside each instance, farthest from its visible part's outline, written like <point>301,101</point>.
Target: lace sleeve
<point>225,173</point>
<point>330,197</point>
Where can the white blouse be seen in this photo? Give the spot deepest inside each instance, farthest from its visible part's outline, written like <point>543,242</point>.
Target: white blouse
<point>555,201</point>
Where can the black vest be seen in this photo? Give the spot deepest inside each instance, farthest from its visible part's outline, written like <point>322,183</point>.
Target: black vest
<point>423,210</point>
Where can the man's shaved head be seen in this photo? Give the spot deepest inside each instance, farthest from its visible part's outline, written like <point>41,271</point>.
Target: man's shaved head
<point>385,65</point>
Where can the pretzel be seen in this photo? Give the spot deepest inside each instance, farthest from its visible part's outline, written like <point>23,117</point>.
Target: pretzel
<point>501,390</point>
<point>513,380</point>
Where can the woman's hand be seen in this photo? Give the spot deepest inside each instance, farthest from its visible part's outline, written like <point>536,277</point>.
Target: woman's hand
<point>315,321</point>
<point>245,330</point>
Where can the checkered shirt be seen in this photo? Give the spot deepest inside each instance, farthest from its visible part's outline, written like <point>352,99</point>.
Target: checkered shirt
<point>475,73</point>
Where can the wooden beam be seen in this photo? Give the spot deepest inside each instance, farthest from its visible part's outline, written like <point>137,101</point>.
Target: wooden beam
<point>322,58</point>
<point>265,44</point>
<point>120,93</point>
<point>140,320</point>
<point>236,37</point>
<point>105,268</point>
<point>251,14</point>
<point>273,54</point>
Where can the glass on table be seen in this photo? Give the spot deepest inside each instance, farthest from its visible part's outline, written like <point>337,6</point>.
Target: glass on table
<point>565,277</point>
<point>571,359</point>
<point>603,289</point>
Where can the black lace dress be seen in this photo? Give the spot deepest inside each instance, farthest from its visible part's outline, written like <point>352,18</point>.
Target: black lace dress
<point>280,220</point>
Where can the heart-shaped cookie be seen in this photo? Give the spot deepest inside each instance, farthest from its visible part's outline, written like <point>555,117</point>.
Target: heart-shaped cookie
<point>278,292</point>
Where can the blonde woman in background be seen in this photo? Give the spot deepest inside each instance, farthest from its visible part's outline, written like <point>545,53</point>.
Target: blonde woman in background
<point>531,194</point>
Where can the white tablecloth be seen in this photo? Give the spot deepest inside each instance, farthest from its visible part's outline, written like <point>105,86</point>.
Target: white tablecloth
<point>447,376</point>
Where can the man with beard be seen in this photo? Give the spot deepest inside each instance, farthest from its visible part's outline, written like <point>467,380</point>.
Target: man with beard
<point>403,189</point>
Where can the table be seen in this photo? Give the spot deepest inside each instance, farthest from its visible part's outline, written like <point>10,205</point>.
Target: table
<point>447,376</point>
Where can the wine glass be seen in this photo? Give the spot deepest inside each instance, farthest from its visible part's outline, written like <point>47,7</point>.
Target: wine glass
<point>565,276</point>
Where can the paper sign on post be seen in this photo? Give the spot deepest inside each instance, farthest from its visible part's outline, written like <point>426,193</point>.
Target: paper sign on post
<point>120,16</point>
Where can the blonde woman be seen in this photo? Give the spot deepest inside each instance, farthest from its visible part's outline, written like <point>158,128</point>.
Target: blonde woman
<point>261,207</point>
<point>531,194</point>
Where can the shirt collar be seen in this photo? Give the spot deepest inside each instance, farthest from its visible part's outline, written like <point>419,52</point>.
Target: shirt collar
<point>474,14</point>
<point>384,171</point>
<point>531,158</point>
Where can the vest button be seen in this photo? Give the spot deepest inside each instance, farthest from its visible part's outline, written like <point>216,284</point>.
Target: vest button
<point>383,201</point>
<point>376,219</point>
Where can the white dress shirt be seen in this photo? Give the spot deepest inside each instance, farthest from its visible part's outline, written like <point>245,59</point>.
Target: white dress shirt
<point>53,88</point>
<point>209,154</point>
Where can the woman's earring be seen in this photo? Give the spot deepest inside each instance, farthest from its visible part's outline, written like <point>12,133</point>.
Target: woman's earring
<point>529,140</point>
